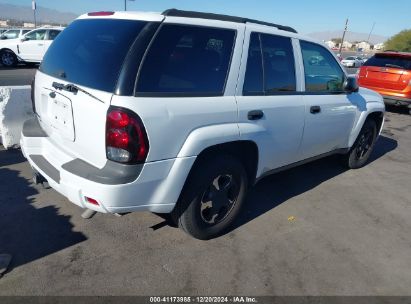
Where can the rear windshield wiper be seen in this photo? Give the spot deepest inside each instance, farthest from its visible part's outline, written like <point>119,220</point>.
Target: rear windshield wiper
<point>393,66</point>
<point>73,89</point>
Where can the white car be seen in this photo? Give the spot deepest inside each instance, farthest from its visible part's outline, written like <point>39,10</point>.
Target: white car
<point>351,62</point>
<point>30,48</point>
<point>182,112</point>
<point>13,33</point>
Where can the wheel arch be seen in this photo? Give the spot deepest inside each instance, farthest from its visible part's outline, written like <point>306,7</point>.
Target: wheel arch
<point>377,115</point>
<point>246,151</point>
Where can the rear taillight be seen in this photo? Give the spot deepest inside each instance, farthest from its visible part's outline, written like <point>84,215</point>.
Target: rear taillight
<point>33,103</point>
<point>126,137</point>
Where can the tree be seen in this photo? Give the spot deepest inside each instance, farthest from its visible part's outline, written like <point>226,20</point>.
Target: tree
<point>336,40</point>
<point>400,42</point>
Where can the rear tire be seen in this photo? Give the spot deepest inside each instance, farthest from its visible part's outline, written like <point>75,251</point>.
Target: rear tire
<point>212,198</point>
<point>8,58</point>
<point>360,152</point>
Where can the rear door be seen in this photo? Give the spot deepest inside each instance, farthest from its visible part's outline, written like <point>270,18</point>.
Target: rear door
<point>386,72</point>
<point>51,35</point>
<point>271,112</point>
<point>89,57</point>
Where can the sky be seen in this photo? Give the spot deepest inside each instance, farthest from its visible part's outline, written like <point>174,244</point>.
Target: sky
<point>306,16</point>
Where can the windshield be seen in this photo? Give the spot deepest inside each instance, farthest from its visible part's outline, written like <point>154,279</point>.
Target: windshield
<point>90,52</point>
<point>389,61</point>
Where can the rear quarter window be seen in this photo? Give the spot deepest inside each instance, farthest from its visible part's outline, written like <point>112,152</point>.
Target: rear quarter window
<point>186,60</point>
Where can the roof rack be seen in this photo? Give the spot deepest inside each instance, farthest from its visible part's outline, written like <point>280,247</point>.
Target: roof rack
<point>189,14</point>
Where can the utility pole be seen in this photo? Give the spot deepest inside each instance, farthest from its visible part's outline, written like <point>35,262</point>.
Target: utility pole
<point>125,4</point>
<point>342,40</point>
<point>369,35</point>
<point>33,6</point>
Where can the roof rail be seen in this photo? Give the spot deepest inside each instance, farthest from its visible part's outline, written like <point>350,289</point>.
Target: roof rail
<point>190,14</point>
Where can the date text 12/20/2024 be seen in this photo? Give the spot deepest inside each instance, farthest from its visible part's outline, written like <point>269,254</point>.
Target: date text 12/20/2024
<point>198,299</point>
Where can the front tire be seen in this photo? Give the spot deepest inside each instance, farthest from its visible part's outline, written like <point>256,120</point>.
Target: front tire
<point>212,197</point>
<point>8,58</point>
<point>361,150</point>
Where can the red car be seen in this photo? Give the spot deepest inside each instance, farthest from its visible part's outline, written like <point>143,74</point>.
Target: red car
<point>389,74</point>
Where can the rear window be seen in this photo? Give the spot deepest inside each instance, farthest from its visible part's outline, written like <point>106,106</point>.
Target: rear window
<point>187,61</point>
<point>91,52</point>
<point>389,62</point>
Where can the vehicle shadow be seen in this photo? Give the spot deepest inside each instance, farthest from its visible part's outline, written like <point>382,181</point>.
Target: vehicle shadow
<point>21,66</point>
<point>29,233</point>
<point>396,109</point>
<point>10,157</point>
<point>274,190</point>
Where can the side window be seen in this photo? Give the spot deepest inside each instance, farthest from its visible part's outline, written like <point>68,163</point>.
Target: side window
<point>270,66</point>
<point>187,60</point>
<point>279,67</point>
<point>322,72</point>
<point>253,79</point>
<point>36,35</point>
<point>53,34</point>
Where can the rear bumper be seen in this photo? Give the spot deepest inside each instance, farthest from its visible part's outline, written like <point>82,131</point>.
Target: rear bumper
<point>392,97</point>
<point>153,186</point>
<point>398,101</point>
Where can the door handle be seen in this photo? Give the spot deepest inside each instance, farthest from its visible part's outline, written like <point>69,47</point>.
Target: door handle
<point>255,115</point>
<point>315,109</point>
<point>40,44</point>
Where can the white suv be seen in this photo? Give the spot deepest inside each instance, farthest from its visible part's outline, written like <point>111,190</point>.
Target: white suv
<point>30,48</point>
<point>182,112</point>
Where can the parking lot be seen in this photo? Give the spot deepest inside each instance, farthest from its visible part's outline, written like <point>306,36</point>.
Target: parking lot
<point>314,230</point>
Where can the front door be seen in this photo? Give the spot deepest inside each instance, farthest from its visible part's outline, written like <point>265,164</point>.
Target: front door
<point>330,112</point>
<point>31,48</point>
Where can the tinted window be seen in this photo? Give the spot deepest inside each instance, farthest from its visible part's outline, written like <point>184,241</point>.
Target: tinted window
<point>389,61</point>
<point>25,31</point>
<point>91,52</point>
<point>278,58</point>
<point>253,80</point>
<point>36,35</point>
<point>187,60</point>
<point>270,65</point>
<point>322,72</point>
<point>53,34</point>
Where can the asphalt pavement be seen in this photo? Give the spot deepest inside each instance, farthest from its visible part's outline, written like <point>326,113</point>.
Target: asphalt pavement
<point>20,75</point>
<point>318,229</point>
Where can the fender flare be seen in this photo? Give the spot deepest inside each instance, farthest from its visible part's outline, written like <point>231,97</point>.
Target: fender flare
<point>358,126</point>
<point>207,136</point>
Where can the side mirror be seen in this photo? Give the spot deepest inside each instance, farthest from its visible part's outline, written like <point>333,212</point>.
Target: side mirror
<point>24,39</point>
<point>351,85</point>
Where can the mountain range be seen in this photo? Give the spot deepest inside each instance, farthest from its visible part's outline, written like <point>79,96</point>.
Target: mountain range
<point>349,36</point>
<point>46,15</point>
<point>43,15</point>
